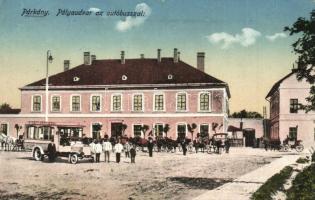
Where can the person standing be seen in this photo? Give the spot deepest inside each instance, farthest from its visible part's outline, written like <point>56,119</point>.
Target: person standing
<point>51,151</point>
<point>184,146</point>
<point>127,149</point>
<point>118,149</point>
<point>133,154</point>
<point>98,151</point>
<point>227,144</point>
<point>92,149</point>
<point>150,146</point>
<point>107,147</point>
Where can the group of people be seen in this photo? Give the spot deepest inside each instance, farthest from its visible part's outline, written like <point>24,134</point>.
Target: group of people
<point>97,147</point>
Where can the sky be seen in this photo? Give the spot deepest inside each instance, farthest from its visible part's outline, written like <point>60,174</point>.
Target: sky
<point>243,40</point>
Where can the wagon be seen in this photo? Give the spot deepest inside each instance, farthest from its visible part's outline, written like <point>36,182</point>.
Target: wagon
<point>74,152</point>
<point>67,139</point>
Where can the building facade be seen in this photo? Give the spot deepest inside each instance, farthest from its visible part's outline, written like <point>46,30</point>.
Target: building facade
<point>286,119</point>
<point>120,96</point>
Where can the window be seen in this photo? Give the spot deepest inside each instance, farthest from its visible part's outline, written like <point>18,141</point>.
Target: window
<point>181,102</point>
<point>204,104</point>
<point>37,101</point>
<point>76,104</point>
<point>293,133</point>
<point>96,130</point>
<point>55,103</point>
<point>159,102</point>
<point>137,132</point>
<point>39,133</point>
<point>137,102</point>
<point>158,130</point>
<point>294,105</point>
<point>116,103</point>
<point>181,130</point>
<point>204,130</point>
<point>96,103</point>
<point>4,128</point>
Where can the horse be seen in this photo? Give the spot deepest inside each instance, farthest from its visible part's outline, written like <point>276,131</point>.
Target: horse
<point>8,141</point>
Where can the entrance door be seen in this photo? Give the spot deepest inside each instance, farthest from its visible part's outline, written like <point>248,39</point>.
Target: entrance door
<point>116,130</point>
<point>249,135</point>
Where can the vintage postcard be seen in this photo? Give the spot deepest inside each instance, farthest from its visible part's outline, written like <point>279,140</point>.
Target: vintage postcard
<point>157,99</point>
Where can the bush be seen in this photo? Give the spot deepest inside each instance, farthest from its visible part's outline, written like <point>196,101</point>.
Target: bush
<point>272,185</point>
<point>302,160</point>
<point>303,186</point>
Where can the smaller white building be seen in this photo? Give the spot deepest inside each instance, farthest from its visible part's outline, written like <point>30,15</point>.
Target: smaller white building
<point>285,117</point>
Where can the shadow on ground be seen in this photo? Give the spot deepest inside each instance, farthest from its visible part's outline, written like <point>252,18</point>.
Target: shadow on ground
<point>200,183</point>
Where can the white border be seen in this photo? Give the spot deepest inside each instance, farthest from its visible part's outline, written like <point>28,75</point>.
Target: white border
<point>41,103</point>
<point>91,129</point>
<point>154,131</point>
<point>101,103</point>
<point>164,100</point>
<point>210,101</point>
<point>199,128</point>
<point>132,102</point>
<point>187,101</point>
<point>71,103</point>
<point>8,124</point>
<point>181,123</point>
<point>112,102</point>
<point>51,103</point>
<point>133,129</point>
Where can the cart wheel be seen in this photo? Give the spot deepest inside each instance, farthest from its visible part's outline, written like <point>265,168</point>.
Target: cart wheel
<point>299,148</point>
<point>38,155</point>
<point>73,158</point>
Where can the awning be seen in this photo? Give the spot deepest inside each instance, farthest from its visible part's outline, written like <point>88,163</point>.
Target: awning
<point>51,124</point>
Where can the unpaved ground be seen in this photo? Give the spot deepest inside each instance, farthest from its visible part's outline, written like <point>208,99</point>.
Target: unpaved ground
<point>165,176</point>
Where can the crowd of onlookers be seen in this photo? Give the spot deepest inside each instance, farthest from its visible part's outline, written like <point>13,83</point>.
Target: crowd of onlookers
<point>106,146</point>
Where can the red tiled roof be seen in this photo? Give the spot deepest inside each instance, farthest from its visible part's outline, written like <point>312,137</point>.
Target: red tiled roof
<point>138,71</point>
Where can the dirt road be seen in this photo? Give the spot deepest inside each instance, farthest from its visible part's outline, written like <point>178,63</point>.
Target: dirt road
<point>165,176</point>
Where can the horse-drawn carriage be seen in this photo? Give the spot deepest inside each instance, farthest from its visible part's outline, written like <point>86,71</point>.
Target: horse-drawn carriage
<point>219,141</point>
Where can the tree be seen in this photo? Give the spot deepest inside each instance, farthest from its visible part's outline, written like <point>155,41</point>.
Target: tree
<point>123,128</point>
<point>97,128</point>
<point>166,129</point>
<point>191,128</point>
<point>144,129</point>
<point>246,114</point>
<point>304,47</point>
<point>5,107</point>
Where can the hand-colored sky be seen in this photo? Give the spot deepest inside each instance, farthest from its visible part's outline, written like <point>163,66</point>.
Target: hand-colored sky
<point>243,40</point>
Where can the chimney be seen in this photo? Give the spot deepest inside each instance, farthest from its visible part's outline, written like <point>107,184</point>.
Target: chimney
<point>159,59</point>
<point>93,57</point>
<point>86,58</point>
<point>241,125</point>
<point>122,60</point>
<point>175,56</point>
<point>66,65</point>
<point>142,56</point>
<point>178,55</point>
<point>201,61</point>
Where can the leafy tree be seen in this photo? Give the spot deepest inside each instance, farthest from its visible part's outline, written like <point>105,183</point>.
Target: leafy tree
<point>304,47</point>
<point>144,129</point>
<point>97,127</point>
<point>123,128</point>
<point>191,128</point>
<point>5,107</point>
<point>166,129</point>
<point>246,114</point>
